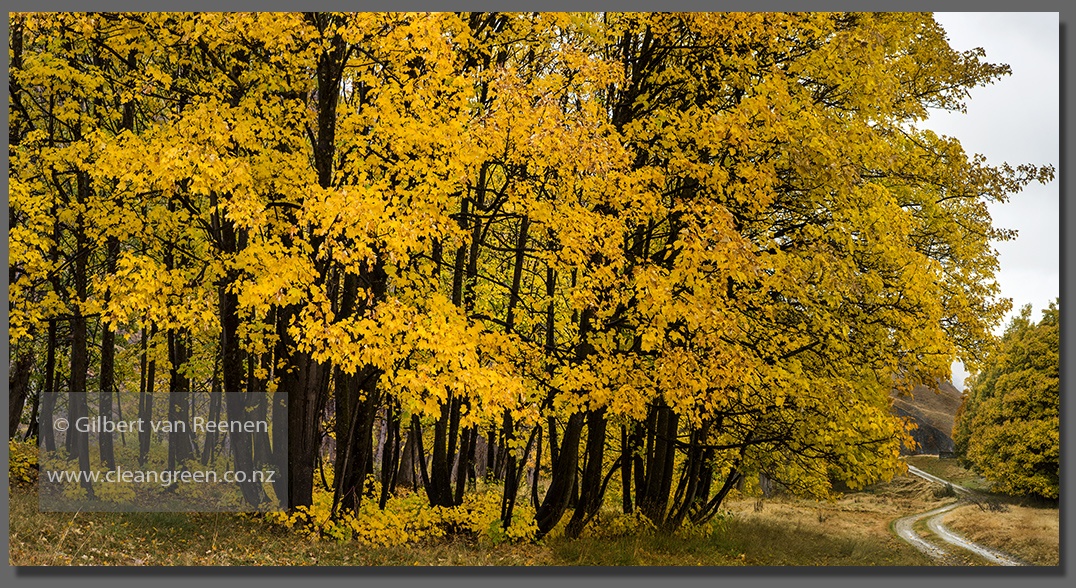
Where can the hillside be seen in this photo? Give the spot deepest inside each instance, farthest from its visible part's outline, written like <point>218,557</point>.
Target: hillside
<point>934,411</point>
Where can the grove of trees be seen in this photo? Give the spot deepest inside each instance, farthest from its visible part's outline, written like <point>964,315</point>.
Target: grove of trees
<point>1009,426</point>
<point>670,250</point>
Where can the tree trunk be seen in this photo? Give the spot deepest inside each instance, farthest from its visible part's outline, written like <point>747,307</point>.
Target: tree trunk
<point>263,447</point>
<point>281,436</point>
<point>306,382</point>
<point>145,397</point>
<point>562,477</point>
<point>79,441</point>
<point>235,400</point>
<point>406,474</point>
<point>211,436</point>
<point>591,485</point>
<point>390,451</point>
<point>179,440</point>
<point>627,459</point>
<point>18,388</point>
<point>48,401</point>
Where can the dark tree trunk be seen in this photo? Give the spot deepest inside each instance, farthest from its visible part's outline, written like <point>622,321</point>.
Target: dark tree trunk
<point>440,468</point>
<point>709,509</point>
<point>79,441</point>
<point>48,401</point>
<point>108,374</point>
<point>281,436</point>
<point>145,397</point>
<point>406,474</point>
<point>692,479</point>
<point>512,482</point>
<point>357,397</point>
<point>263,447</point>
<point>108,336</point>
<point>659,471</point>
<point>464,463</point>
<point>32,427</point>
<point>235,400</point>
<point>446,427</point>
<point>19,387</point>
<point>627,458</point>
<point>537,469</point>
<point>562,477</point>
<point>509,494</point>
<point>309,387</point>
<point>305,382</point>
<point>416,432</point>
<point>390,451</point>
<point>355,451</point>
<point>591,484</point>
<point>491,451</point>
<point>211,435</point>
<point>179,440</point>
<point>344,397</point>
<point>511,485</point>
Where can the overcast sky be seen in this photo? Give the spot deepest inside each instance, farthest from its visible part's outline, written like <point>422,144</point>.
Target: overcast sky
<point>1015,120</point>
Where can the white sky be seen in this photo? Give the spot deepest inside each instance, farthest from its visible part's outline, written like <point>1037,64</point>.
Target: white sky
<point>1015,120</point>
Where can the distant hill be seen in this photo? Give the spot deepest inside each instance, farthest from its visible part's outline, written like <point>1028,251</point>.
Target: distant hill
<point>934,410</point>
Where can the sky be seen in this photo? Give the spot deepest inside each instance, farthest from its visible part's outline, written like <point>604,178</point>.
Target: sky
<point>1015,120</point>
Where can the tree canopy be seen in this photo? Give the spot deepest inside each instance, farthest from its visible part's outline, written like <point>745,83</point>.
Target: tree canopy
<point>1009,426</point>
<point>707,243</point>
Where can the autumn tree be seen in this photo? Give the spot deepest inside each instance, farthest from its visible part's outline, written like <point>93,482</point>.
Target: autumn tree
<point>1008,426</point>
<point>674,250</point>
<point>784,257</point>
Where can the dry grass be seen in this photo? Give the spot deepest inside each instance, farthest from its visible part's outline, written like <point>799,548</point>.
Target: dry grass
<point>949,469</point>
<point>864,516</point>
<point>787,532</point>
<point>850,531</point>
<point>1031,534</point>
<point>216,539</point>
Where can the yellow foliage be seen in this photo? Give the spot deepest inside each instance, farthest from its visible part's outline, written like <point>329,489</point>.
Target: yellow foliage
<point>22,466</point>
<point>521,217</point>
<point>407,518</point>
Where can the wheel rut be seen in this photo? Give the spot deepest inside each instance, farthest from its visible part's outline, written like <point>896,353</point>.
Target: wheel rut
<point>946,555</point>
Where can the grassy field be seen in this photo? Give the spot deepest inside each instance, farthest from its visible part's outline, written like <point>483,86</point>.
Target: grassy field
<point>851,531</point>
<point>1029,533</point>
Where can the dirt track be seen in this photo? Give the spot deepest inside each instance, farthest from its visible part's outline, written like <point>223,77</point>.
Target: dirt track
<point>903,527</point>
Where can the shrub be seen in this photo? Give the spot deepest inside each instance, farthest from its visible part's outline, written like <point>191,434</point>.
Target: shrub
<point>22,463</point>
<point>408,518</point>
<point>945,491</point>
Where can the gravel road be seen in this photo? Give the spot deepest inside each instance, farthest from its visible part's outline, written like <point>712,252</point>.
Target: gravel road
<point>903,527</point>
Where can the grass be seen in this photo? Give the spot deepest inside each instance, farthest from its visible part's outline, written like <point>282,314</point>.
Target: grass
<point>745,543</point>
<point>950,469</point>
<point>1027,529</point>
<point>787,532</point>
<point>852,530</point>
<point>1028,533</point>
<point>212,539</point>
